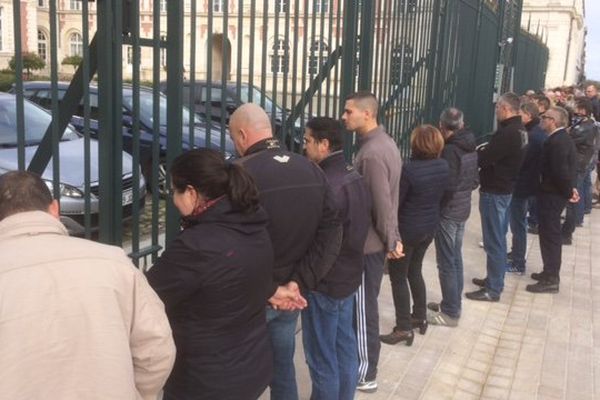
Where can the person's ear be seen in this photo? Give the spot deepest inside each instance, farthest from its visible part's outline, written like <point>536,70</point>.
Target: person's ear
<point>54,209</point>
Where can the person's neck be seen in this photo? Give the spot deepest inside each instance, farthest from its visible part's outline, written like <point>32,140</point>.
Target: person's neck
<point>368,128</point>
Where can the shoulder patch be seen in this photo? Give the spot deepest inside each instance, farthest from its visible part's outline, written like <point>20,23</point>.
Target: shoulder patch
<point>282,159</point>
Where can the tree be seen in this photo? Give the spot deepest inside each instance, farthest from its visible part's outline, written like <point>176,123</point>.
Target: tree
<point>73,60</point>
<point>31,61</point>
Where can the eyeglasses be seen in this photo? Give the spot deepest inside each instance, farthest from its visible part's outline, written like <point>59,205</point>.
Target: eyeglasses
<point>547,117</point>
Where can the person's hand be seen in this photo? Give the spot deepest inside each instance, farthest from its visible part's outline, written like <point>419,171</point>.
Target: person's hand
<point>397,252</point>
<point>575,197</point>
<point>288,298</point>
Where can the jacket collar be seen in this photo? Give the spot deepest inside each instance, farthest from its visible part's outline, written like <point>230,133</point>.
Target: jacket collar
<point>30,223</point>
<point>512,120</point>
<point>373,133</point>
<point>332,158</point>
<point>265,144</point>
<point>531,124</point>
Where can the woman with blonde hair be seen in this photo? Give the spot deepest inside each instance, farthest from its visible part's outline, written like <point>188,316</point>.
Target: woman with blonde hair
<point>422,185</point>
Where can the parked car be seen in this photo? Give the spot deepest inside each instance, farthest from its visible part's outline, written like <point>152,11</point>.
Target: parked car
<point>71,162</point>
<point>248,93</point>
<point>40,93</point>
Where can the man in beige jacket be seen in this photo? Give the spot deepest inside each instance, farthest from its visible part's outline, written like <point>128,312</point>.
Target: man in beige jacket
<point>77,319</point>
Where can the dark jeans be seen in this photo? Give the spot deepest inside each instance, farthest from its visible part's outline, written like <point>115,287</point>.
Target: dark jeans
<point>330,346</point>
<point>518,227</point>
<point>532,219</point>
<point>367,317</point>
<point>282,329</point>
<point>550,207</point>
<point>493,209</point>
<point>409,268</point>
<point>448,251</point>
<point>586,195</point>
<point>574,212</point>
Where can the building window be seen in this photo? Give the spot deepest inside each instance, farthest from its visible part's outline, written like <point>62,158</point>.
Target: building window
<point>129,55</point>
<point>318,54</point>
<point>280,61</point>
<point>281,6</point>
<point>42,45</point>
<point>321,6</point>
<point>401,64</point>
<point>408,6</point>
<point>163,52</point>
<point>76,44</point>
<point>218,6</point>
<point>41,3</point>
<point>163,5</point>
<point>75,5</point>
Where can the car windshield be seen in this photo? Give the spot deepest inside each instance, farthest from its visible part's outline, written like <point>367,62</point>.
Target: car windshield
<point>36,122</point>
<point>256,95</point>
<point>147,110</point>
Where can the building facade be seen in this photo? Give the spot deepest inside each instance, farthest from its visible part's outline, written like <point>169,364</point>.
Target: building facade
<point>562,23</point>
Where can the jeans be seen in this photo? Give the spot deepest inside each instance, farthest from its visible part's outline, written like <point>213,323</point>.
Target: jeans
<point>574,212</point>
<point>518,227</point>
<point>404,272</point>
<point>532,219</point>
<point>330,346</point>
<point>448,252</point>
<point>282,329</point>
<point>586,189</point>
<point>493,209</point>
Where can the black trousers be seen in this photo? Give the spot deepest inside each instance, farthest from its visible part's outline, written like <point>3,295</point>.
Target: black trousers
<point>550,206</point>
<point>405,272</point>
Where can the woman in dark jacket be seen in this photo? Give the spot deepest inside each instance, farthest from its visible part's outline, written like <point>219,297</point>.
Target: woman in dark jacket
<point>214,279</point>
<point>422,185</point>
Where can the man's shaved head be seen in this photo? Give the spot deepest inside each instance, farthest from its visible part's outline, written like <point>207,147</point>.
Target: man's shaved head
<point>249,124</point>
<point>365,101</point>
<point>360,112</point>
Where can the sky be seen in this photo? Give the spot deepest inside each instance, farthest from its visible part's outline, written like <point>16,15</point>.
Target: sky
<point>592,53</point>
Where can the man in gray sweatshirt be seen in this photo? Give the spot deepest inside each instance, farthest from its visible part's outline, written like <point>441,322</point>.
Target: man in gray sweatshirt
<point>379,162</point>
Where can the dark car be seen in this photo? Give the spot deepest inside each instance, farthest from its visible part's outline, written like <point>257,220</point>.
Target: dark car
<point>40,93</point>
<point>248,93</point>
<point>71,163</point>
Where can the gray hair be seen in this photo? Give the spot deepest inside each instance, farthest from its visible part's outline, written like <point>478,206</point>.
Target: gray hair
<point>510,100</point>
<point>452,119</point>
<point>530,108</point>
<point>562,116</point>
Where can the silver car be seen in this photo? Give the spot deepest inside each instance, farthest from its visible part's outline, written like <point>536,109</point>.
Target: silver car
<point>71,162</point>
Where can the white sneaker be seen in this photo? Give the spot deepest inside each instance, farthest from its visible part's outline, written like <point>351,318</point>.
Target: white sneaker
<point>367,386</point>
<point>480,244</point>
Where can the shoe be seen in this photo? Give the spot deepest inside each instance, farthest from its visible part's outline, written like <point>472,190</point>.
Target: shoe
<point>515,269</point>
<point>546,285</point>
<point>480,244</point>
<point>420,324</point>
<point>434,306</point>
<point>533,229</point>
<point>567,240</point>
<point>538,276</point>
<point>478,281</point>
<point>482,295</point>
<point>439,318</point>
<point>367,386</point>
<point>396,337</point>
<point>509,256</point>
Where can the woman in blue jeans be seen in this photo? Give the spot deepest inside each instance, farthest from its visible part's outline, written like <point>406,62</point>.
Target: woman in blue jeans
<point>422,185</point>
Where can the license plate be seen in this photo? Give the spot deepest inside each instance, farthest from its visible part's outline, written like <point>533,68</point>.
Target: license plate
<point>127,197</point>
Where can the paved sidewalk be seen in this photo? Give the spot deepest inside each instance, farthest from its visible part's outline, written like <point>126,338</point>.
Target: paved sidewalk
<point>542,346</point>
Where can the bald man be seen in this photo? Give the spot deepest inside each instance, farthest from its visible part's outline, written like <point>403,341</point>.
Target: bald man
<point>304,228</point>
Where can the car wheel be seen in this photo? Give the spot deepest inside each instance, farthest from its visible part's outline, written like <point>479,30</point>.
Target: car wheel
<point>163,190</point>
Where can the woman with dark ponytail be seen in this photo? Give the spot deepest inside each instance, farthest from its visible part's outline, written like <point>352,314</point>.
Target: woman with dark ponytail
<point>214,280</point>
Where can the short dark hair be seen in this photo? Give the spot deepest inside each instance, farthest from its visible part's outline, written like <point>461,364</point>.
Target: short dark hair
<point>511,100</point>
<point>452,119</point>
<point>542,101</point>
<point>583,103</point>
<point>426,142</point>
<point>210,175</point>
<point>529,107</point>
<point>327,128</point>
<point>22,191</point>
<point>366,100</point>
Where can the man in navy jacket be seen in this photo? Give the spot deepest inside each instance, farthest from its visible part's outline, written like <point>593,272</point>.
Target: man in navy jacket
<point>329,338</point>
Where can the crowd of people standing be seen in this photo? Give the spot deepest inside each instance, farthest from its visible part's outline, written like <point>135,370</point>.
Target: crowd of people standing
<point>275,237</point>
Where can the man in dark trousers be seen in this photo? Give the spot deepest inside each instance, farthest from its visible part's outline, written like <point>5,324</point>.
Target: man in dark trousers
<point>378,161</point>
<point>557,187</point>
<point>327,323</point>
<point>303,224</point>
<point>525,187</point>
<point>499,164</point>
<point>459,152</point>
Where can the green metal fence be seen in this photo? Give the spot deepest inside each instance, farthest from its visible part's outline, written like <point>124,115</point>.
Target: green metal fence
<point>297,58</point>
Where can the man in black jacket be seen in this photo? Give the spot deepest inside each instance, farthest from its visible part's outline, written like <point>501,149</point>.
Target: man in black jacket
<point>583,131</point>
<point>330,344</point>
<point>499,164</point>
<point>303,224</point>
<point>459,152</point>
<point>557,186</point>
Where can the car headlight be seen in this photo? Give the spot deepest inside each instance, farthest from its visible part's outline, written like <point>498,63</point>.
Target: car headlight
<point>65,190</point>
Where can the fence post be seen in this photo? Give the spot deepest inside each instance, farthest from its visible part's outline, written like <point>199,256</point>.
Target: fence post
<point>367,27</point>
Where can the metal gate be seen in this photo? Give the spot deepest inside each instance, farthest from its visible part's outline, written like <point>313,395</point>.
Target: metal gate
<point>296,58</point>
